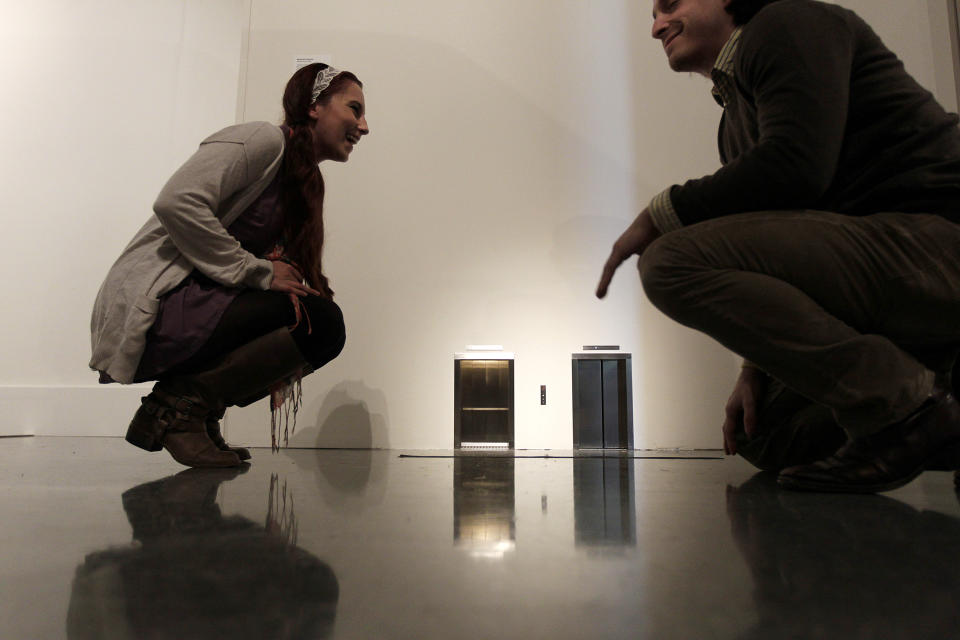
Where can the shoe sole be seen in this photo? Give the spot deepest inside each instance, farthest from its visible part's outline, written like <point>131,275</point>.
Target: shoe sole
<point>947,459</point>
<point>800,484</point>
<point>218,464</point>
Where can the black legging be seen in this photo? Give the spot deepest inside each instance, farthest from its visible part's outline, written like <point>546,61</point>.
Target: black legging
<point>256,313</point>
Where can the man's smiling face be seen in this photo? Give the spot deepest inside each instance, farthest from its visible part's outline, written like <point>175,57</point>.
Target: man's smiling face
<point>692,31</point>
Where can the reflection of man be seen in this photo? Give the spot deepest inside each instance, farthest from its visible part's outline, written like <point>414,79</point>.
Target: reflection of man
<point>839,567</point>
<point>197,574</point>
<point>786,255</point>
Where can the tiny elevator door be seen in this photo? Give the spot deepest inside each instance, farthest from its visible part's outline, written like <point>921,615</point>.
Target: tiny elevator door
<point>614,404</point>
<point>602,404</point>
<point>588,403</point>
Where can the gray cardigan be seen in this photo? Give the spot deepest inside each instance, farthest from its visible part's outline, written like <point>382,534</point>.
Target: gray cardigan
<point>188,231</point>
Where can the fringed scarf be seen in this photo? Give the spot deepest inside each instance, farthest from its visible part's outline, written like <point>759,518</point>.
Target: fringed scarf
<point>286,396</point>
<point>281,519</point>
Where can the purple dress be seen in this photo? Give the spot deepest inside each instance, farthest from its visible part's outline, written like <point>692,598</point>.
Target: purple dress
<point>190,312</point>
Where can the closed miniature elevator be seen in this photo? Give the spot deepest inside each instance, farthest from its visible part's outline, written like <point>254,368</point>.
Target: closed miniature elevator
<point>602,401</point>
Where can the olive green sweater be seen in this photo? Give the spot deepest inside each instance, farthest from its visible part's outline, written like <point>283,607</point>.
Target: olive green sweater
<point>825,117</point>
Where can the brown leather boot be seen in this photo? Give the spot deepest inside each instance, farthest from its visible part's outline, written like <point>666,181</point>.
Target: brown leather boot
<point>146,430</point>
<point>280,359</point>
<point>213,430</point>
<point>178,424</point>
<point>271,358</point>
<point>238,378</point>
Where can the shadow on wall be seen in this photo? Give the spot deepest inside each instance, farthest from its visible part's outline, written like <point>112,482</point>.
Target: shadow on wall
<point>351,416</point>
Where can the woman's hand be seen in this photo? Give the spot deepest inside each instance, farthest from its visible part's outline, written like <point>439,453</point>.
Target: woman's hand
<point>288,280</point>
<point>742,407</point>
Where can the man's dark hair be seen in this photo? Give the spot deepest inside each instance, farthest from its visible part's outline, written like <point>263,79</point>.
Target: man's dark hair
<point>744,10</point>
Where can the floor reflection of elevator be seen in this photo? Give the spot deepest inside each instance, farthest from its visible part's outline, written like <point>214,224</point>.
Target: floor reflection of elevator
<point>603,498</point>
<point>484,512</point>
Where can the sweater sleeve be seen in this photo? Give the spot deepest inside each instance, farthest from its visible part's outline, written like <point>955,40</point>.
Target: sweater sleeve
<point>189,206</point>
<point>795,64</point>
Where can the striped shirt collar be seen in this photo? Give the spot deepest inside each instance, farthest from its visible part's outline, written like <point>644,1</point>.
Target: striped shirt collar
<point>722,73</point>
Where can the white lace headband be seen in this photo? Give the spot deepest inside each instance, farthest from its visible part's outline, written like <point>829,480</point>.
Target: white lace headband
<point>324,78</point>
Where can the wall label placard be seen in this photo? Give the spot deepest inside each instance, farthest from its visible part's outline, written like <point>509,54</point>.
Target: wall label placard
<point>301,61</point>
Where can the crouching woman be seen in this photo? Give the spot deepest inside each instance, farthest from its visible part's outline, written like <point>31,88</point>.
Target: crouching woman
<point>221,297</point>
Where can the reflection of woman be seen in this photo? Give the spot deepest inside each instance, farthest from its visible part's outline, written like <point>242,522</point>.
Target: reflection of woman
<point>221,297</point>
<point>195,573</point>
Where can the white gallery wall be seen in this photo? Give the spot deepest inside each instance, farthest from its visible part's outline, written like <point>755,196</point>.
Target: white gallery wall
<point>511,143</point>
<point>102,100</point>
<point>501,165</point>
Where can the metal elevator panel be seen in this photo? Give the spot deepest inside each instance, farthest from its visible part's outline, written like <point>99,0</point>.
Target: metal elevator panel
<point>590,378</point>
<point>602,401</point>
<point>617,426</point>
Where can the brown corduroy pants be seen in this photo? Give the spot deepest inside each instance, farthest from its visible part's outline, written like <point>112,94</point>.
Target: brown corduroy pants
<point>851,314</point>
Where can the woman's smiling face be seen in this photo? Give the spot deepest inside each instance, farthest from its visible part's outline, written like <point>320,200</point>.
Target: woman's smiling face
<point>338,123</point>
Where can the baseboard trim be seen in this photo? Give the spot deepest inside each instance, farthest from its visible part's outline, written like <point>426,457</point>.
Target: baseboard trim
<point>87,410</point>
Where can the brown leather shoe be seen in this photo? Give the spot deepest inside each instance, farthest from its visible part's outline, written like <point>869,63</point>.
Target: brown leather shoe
<point>190,445</point>
<point>177,424</point>
<point>888,459</point>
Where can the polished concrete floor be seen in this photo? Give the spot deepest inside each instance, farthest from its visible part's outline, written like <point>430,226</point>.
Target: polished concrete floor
<point>102,540</point>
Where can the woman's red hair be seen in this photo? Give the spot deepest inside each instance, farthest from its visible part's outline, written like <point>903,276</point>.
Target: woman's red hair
<point>301,181</point>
